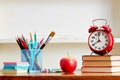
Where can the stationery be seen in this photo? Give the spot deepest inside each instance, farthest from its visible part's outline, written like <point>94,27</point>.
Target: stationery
<point>41,41</point>
<point>31,37</point>
<point>15,67</point>
<point>48,39</point>
<point>31,49</point>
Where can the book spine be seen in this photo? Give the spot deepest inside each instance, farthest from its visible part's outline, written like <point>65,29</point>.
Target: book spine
<point>84,58</point>
<point>15,67</point>
<point>16,64</point>
<point>101,63</point>
<point>5,71</point>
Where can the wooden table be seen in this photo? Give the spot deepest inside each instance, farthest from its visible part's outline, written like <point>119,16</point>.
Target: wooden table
<point>61,76</point>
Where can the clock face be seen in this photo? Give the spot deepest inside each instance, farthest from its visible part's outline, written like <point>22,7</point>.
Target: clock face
<point>99,40</point>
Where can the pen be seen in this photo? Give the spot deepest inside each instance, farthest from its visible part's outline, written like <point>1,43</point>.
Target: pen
<point>48,39</point>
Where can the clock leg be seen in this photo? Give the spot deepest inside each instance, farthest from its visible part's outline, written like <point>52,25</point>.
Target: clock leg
<point>107,52</point>
<point>91,53</point>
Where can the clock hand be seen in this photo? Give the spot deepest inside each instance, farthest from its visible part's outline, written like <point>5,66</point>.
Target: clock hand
<point>98,35</point>
<point>96,43</point>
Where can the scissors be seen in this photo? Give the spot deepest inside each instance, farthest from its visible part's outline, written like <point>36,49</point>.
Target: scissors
<point>34,48</point>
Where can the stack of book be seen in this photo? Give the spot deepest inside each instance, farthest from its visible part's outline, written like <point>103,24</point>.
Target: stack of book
<point>95,63</point>
<point>15,67</point>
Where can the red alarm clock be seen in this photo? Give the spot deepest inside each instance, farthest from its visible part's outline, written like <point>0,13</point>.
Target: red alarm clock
<point>100,40</point>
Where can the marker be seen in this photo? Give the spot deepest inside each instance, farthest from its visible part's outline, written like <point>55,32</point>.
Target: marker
<point>48,39</point>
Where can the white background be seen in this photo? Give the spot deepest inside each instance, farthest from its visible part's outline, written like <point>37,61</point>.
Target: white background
<point>65,17</point>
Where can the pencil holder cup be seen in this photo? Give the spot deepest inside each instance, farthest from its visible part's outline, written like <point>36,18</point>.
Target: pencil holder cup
<point>34,58</point>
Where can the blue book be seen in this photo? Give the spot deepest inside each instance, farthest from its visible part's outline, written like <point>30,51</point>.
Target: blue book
<point>15,67</point>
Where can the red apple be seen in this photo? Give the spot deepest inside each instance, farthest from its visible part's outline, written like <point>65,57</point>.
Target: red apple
<point>68,64</point>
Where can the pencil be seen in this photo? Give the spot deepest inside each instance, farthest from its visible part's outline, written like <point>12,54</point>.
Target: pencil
<point>20,44</point>
<point>41,41</point>
<point>31,37</point>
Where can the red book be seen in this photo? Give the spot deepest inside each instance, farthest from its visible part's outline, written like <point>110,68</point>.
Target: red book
<point>16,63</point>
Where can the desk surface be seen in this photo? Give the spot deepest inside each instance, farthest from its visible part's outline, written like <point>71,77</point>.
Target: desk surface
<point>61,76</point>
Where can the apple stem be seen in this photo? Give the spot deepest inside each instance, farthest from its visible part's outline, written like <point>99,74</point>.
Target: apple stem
<point>68,55</point>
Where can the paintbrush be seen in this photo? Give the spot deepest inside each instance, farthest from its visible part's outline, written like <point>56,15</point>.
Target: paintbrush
<point>48,39</point>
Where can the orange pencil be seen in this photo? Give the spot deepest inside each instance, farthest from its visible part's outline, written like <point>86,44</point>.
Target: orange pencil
<point>31,37</point>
